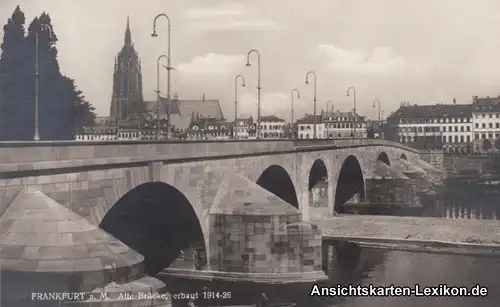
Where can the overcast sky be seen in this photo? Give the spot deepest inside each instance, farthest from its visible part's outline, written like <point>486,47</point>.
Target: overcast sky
<point>422,51</point>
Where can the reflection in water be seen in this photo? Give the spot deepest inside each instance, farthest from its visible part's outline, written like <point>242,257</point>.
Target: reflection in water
<point>349,264</point>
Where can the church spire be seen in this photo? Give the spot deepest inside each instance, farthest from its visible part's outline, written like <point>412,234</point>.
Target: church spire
<point>128,35</point>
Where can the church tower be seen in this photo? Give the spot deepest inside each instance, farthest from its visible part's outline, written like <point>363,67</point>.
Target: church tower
<point>127,100</point>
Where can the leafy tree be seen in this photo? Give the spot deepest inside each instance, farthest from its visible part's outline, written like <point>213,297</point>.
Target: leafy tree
<point>83,113</point>
<point>62,107</point>
<point>487,145</point>
<point>497,143</point>
<point>12,117</point>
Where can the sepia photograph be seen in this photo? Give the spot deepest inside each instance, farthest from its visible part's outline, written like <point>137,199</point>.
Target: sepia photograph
<point>249,153</point>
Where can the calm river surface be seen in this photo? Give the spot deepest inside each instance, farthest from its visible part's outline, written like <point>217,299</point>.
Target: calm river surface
<point>383,268</point>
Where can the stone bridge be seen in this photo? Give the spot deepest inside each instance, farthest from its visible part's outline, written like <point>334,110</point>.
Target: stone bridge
<point>157,196</point>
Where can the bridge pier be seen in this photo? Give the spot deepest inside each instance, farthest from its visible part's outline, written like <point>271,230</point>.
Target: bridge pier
<point>259,241</point>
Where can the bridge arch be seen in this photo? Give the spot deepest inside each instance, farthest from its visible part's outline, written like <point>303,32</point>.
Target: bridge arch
<point>349,183</point>
<point>403,157</point>
<point>276,180</point>
<point>384,158</point>
<point>149,218</point>
<point>318,177</point>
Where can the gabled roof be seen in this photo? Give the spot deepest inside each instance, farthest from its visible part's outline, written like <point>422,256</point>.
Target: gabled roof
<point>205,123</point>
<point>308,119</point>
<point>201,108</point>
<point>337,114</point>
<point>486,104</point>
<point>151,106</point>
<point>433,111</point>
<point>271,118</point>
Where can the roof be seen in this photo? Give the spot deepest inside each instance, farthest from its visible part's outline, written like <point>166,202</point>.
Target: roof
<point>151,106</point>
<point>245,120</point>
<point>202,108</point>
<point>101,129</point>
<point>204,123</point>
<point>433,111</point>
<point>337,114</point>
<point>309,119</point>
<point>486,104</point>
<point>41,235</point>
<point>271,118</point>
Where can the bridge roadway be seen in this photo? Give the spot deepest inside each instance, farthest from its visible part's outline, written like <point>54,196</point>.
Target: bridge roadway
<point>420,234</point>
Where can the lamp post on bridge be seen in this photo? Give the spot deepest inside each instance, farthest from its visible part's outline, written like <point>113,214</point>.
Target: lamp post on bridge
<point>353,109</point>
<point>259,87</point>
<point>168,67</point>
<point>292,119</point>
<point>163,56</point>
<point>36,133</point>
<point>235,131</point>
<point>314,99</point>
<point>377,102</point>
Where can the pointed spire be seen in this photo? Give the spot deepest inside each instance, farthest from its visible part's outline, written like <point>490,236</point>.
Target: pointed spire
<point>128,35</point>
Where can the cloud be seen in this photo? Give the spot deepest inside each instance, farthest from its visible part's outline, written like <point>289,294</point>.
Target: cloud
<point>212,64</point>
<point>276,103</point>
<point>228,16</point>
<point>380,60</point>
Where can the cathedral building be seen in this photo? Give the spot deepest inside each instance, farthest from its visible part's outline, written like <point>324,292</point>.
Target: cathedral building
<point>127,101</point>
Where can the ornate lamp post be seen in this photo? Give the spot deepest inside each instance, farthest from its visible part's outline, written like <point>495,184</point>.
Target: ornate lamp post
<point>259,87</point>
<point>314,99</point>
<point>354,109</point>
<point>377,102</point>
<point>163,56</point>
<point>292,119</point>
<point>169,65</point>
<point>36,134</point>
<point>236,102</point>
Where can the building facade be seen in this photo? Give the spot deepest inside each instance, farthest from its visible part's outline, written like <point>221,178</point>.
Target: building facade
<point>340,125</point>
<point>305,127</point>
<point>127,100</point>
<point>486,121</point>
<point>271,127</point>
<point>446,126</point>
<point>244,128</point>
<point>202,128</point>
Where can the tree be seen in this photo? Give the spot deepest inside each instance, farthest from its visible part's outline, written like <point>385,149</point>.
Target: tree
<point>497,143</point>
<point>62,107</point>
<point>12,117</point>
<point>83,113</point>
<point>487,145</point>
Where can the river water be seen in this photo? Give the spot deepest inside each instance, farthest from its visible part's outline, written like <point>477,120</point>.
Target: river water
<point>457,199</point>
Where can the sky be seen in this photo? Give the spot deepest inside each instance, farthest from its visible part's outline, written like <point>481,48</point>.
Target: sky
<point>421,51</point>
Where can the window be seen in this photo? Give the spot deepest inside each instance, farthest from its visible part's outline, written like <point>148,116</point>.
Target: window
<point>491,124</point>
<point>468,138</point>
<point>490,116</point>
<point>476,136</point>
<point>497,125</point>
<point>462,128</point>
<point>484,126</point>
<point>468,128</point>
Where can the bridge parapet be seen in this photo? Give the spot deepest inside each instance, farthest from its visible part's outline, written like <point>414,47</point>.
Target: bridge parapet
<point>29,152</point>
<point>342,143</point>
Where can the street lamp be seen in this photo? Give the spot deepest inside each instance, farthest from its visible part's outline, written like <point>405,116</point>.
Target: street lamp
<point>376,101</point>
<point>169,65</point>
<point>236,101</point>
<point>163,56</point>
<point>292,119</point>
<point>354,109</point>
<point>314,99</point>
<point>259,88</point>
<point>36,134</point>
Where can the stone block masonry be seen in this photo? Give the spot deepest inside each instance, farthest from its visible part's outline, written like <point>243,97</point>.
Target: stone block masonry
<point>264,244</point>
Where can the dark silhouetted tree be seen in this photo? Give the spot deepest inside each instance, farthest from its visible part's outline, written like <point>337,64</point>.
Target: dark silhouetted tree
<point>62,107</point>
<point>497,143</point>
<point>82,111</point>
<point>13,114</point>
<point>487,145</point>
